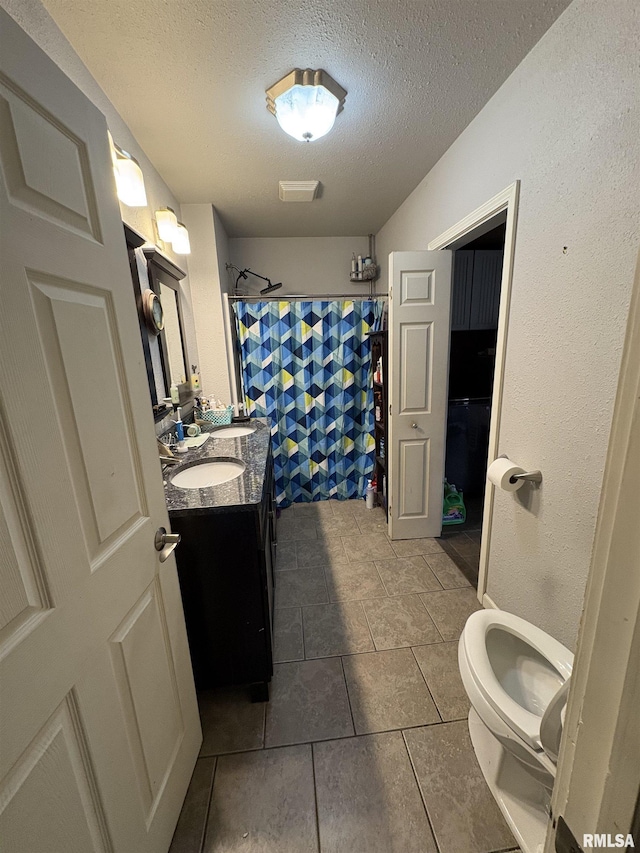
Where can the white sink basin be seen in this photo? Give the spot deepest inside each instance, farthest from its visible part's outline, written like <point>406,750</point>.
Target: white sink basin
<point>209,473</point>
<point>232,431</point>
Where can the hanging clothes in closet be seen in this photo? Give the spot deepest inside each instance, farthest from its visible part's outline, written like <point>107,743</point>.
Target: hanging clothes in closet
<point>305,366</point>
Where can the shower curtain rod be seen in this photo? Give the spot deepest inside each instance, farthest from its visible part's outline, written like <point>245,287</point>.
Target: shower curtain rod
<point>308,297</point>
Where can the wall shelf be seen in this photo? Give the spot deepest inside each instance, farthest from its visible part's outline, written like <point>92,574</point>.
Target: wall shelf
<point>379,347</point>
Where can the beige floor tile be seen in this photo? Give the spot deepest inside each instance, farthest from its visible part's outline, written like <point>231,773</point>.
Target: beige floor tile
<point>446,571</point>
<point>287,635</point>
<point>337,525</point>
<point>230,721</point>
<point>354,581</point>
<point>373,521</point>
<point>191,825</point>
<point>286,559</point>
<point>291,528</point>
<point>450,609</point>
<point>324,551</point>
<point>462,810</point>
<point>304,586</point>
<point>263,802</point>
<point>313,510</point>
<point>468,549</point>
<point>439,665</point>
<point>308,702</point>
<point>387,691</point>
<point>400,621</point>
<point>368,799</point>
<point>416,547</point>
<point>353,507</point>
<point>405,575</point>
<point>336,629</point>
<point>367,547</point>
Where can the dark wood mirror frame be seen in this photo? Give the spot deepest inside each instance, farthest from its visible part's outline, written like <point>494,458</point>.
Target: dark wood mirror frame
<point>161,271</point>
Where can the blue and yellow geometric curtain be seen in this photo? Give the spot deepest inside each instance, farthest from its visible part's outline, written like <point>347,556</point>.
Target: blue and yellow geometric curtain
<point>306,366</point>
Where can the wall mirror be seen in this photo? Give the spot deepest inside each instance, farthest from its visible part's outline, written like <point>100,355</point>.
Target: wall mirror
<point>164,279</point>
<point>165,354</point>
<point>175,361</point>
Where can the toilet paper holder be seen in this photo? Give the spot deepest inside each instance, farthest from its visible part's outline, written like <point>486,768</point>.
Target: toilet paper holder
<point>531,476</point>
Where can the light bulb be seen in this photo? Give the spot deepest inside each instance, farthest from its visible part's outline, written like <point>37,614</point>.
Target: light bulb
<point>130,182</point>
<point>167,223</point>
<point>180,242</point>
<point>306,112</point>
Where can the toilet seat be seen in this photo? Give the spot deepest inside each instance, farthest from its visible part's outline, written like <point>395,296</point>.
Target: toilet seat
<point>473,643</point>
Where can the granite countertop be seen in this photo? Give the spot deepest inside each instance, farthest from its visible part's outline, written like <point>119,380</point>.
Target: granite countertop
<point>244,492</point>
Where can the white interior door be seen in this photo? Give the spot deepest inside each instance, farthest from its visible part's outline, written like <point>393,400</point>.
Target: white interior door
<point>419,306</point>
<point>99,728</point>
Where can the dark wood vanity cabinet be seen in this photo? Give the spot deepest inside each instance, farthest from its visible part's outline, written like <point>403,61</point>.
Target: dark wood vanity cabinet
<point>226,563</point>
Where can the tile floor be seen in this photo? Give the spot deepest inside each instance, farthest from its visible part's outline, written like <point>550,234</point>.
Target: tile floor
<point>462,542</point>
<point>363,746</point>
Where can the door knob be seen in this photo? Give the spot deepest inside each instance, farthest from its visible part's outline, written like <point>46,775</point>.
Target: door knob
<point>414,425</point>
<point>165,542</point>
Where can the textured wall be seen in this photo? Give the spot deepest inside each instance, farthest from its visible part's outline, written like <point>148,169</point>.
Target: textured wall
<point>38,24</point>
<point>566,124</point>
<point>313,265</point>
<point>208,282</point>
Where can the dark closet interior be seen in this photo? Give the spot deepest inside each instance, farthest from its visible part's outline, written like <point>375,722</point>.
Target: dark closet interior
<point>477,273</point>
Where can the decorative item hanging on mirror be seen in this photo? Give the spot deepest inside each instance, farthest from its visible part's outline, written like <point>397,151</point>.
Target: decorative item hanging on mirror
<point>152,311</point>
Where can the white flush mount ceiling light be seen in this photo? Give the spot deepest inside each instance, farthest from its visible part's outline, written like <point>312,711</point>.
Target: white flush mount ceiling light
<point>129,177</point>
<point>306,103</point>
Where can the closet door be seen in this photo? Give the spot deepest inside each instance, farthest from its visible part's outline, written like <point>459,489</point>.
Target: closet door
<point>99,728</point>
<point>419,309</point>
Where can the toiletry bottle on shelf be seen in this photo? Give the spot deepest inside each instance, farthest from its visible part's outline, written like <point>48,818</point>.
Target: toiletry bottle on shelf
<point>175,394</point>
<point>354,264</point>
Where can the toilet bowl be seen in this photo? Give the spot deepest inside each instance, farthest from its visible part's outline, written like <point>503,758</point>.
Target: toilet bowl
<point>516,677</point>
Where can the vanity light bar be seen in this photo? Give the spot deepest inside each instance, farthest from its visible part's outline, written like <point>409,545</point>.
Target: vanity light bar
<point>180,242</point>
<point>172,231</point>
<point>128,174</point>
<point>167,223</point>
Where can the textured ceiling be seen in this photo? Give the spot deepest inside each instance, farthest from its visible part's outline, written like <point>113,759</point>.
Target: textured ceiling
<point>189,76</point>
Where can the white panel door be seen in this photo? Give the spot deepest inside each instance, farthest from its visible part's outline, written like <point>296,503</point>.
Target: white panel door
<point>419,306</point>
<point>99,726</point>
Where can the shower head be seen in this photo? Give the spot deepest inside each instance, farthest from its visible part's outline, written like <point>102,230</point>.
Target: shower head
<point>271,287</point>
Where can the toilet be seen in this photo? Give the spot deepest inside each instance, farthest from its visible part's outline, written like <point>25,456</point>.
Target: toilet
<point>517,679</point>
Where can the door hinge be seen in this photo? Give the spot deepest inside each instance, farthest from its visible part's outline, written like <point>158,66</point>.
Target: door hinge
<point>389,408</point>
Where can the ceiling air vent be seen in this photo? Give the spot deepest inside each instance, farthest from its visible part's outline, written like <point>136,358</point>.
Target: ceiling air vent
<point>298,190</point>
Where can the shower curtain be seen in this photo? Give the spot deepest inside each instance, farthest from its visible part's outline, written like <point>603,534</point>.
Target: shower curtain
<point>306,367</point>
